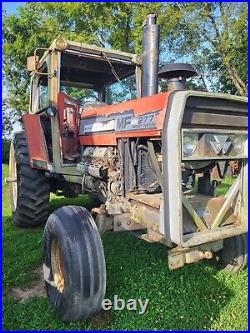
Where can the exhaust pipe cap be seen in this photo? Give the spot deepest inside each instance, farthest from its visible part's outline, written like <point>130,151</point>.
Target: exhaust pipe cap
<point>150,19</point>
<point>176,75</point>
<point>176,70</point>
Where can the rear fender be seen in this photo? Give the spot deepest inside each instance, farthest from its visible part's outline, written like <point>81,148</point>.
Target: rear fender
<point>36,142</point>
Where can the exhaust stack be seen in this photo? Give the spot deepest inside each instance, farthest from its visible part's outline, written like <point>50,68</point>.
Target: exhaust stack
<point>150,56</point>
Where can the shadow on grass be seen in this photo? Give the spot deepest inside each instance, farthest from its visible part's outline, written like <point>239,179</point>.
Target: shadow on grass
<point>82,200</point>
<point>21,247</point>
<point>190,298</point>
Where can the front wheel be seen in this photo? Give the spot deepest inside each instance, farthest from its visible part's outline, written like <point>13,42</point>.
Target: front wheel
<point>74,265</point>
<point>233,257</point>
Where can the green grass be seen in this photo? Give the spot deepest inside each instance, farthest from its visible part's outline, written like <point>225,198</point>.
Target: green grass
<point>195,297</point>
<point>224,186</point>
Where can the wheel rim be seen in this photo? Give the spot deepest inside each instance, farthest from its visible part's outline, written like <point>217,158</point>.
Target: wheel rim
<point>56,264</point>
<point>13,176</point>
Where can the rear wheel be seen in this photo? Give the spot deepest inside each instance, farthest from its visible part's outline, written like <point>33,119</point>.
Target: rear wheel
<point>74,264</point>
<point>29,188</point>
<point>233,257</point>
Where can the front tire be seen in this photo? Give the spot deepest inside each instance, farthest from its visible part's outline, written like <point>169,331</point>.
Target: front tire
<point>233,257</point>
<point>74,264</point>
<point>29,188</point>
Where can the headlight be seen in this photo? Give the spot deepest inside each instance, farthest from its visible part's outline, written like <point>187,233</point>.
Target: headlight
<point>238,145</point>
<point>189,144</point>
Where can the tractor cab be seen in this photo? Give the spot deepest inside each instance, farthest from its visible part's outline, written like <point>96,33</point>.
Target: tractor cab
<point>70,78</point>
<point>88,74</point>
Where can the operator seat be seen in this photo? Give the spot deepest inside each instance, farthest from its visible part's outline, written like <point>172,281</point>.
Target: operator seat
<point>93,105</point>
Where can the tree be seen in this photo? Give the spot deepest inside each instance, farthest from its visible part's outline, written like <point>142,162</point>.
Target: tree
<point>8,119</point>
<point>37,24</point>
<point>212,36</point>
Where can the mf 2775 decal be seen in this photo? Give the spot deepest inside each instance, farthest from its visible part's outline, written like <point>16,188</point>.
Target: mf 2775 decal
<point>124,121</point>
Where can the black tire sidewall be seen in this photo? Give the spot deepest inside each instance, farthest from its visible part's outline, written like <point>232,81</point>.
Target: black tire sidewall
<point>32,185</point>
<point>53,231</point>
<point>233,256</point>
<point>70,235</point>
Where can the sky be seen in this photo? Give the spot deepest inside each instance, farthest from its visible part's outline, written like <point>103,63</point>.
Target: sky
<point>11,7</point>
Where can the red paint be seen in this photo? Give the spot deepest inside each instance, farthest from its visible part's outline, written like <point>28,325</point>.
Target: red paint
<point>98,140</point>
<point>68,111</point>
<point>139,106</point>
<point>35,138</point>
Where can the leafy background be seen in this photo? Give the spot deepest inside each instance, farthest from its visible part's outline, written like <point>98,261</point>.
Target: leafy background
<point>212,36</point>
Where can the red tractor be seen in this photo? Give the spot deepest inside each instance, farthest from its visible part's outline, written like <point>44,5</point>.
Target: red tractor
<point>152,162</point>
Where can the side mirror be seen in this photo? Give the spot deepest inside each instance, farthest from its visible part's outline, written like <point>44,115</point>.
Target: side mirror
<point>32,63</point>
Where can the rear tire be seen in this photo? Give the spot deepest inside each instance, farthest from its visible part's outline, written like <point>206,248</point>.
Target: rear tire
<point>233,257</point>
<point>74,263</point>
<point>29,188</point>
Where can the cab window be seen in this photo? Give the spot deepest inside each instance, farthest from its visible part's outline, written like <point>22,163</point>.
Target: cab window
<point>80,94</point>
<point>121,91</point>
<point>40,90</point>
<point>43,92</point>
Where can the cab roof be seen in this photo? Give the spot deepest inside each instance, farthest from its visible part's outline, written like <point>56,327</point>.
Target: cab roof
<point>92,66</point>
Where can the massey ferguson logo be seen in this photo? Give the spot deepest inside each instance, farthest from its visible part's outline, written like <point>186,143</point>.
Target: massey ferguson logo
<point>129,122</point>
<point>120,122</point>
<point>220,143</point>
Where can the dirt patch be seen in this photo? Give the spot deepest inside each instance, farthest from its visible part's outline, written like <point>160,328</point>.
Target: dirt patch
<point>36,288</point>
<point>101,319</point>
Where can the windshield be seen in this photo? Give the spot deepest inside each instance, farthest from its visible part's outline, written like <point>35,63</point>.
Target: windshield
<point>121,91</point>
<point>82,95</point>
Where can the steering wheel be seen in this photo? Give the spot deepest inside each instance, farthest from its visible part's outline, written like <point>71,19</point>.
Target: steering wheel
<point>82,102</point>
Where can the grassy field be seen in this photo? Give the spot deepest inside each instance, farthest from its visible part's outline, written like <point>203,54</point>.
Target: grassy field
<point>195,297</point>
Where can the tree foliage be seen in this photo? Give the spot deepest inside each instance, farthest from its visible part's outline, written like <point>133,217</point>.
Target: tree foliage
<point>9,117</point>
<point>212,36</point>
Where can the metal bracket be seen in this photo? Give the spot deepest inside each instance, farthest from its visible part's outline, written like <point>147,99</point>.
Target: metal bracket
<point>180,256</point>
<point>230,195</point>
<point>196,218</point>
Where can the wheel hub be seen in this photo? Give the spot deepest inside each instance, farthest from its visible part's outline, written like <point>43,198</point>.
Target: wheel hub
<point>56,264</point>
